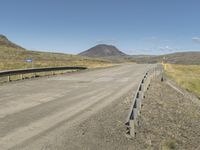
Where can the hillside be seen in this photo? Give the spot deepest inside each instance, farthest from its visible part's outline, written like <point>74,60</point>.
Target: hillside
<point>182,58</point>
<point>13,56</point>
<point>103,50</point>
<point>4,42</point>
<point>174,58</point>
<point>109,52</point>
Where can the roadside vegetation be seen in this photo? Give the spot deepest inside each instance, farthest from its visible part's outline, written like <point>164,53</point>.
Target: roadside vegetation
<point>12,58</point>
<point>15,58</point>
<point>187,76</point>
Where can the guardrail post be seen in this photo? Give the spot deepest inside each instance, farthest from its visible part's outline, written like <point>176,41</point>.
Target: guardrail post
<point>8,78</point>
<point>138,105</point>
<point>141,93</point>
<point>132,128</point>
<point>135,109</point>
<point>34,75</point>
<point>148,82</point>
<point>145,84</point>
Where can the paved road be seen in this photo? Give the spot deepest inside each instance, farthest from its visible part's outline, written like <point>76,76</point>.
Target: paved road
<point>30,109</point>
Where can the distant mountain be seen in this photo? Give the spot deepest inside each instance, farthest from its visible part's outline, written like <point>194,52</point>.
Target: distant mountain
<point>175,58</point>
<point>112,53</point>
<point>13,56</point>
<point>103,50</point>
<point>7,43</point>
<point>108,53</point>
<point>182,58</point>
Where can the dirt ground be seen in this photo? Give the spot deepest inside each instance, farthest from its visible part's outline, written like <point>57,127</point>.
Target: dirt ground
<point>168,120</point>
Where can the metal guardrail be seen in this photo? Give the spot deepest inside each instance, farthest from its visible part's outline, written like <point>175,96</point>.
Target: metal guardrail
<point>21,72</point>
<point>136,105</point>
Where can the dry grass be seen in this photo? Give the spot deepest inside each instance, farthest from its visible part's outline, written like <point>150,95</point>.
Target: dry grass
<point>187,76</point>
<point>11,58</point>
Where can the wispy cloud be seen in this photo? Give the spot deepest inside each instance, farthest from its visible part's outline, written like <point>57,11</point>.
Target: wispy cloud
<point>140,51</point>
<point>196,39</point>
<point>167,48</point>
<point>158,50</point>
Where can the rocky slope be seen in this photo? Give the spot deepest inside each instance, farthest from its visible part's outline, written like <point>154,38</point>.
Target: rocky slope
<point>103,50</point>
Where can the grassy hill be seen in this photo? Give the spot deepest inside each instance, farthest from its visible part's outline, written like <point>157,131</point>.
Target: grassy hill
<point>182,58</point>
<point>13,56</point>
<point>189,58</point>
<point>7,43</point>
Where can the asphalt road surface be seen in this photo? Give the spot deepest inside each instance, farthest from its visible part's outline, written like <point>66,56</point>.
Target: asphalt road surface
<point>33,108</point>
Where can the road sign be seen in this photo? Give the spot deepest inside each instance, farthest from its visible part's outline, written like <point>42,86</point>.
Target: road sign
<point>29,60</point>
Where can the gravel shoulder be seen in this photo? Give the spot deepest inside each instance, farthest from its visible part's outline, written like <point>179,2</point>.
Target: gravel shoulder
<point>168,120</point>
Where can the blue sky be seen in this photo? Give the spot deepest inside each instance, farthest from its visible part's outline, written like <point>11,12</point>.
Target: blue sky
<point>134,26</point>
